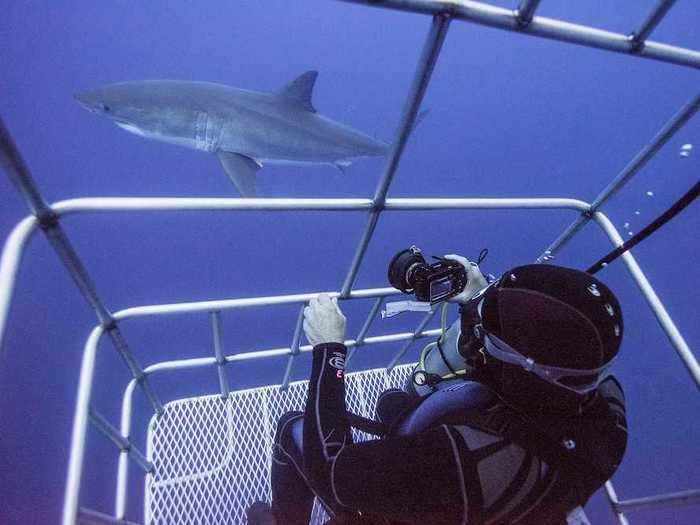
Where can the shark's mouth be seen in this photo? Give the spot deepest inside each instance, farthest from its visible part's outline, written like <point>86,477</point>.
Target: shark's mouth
<point>131,128</point>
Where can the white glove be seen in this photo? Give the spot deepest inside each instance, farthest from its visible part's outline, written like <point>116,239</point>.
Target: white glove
<point>323,321</point>
<point>475,279</point>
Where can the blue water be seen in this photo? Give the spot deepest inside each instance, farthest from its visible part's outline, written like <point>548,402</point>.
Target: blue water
<point>510,116</point>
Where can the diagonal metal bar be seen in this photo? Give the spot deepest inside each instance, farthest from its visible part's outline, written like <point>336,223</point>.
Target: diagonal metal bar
<point>503,18</point>
<point>426,65</point>
<point>14,165</point>
<point>674,499</point>
<point>639,37</point>
<point>633,167</point>
<point>365,328</point>
<point>526,10</point>
<point>219,353</point>
<point>294,348</point>
<point>123,443</point>
<point>408,343</point>
<point>612,499</point>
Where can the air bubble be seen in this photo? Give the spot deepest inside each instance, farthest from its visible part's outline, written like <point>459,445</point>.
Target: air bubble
<point>604,264</point>
<point>686,149</point>
<point>650,194</point>
<point>630,234</point>
<point>637,212</point>
<point>626,226</point>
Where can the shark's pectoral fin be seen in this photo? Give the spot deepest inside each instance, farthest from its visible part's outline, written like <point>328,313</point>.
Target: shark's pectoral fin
<point>241,170</point>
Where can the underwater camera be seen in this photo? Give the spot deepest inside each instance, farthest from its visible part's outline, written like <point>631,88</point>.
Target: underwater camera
<point>431,283</point>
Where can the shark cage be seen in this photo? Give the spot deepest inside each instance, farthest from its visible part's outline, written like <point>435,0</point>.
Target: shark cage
<point>209,457</point>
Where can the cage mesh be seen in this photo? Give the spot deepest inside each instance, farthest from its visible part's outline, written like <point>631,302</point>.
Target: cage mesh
<point>212,456</point>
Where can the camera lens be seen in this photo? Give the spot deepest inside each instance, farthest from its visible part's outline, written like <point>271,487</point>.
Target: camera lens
<point>402,266</point>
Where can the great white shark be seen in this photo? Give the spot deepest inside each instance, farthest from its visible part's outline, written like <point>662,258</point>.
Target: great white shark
<point>245,129</point>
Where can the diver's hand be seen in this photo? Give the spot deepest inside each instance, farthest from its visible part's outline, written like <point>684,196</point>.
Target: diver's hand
<point>475,279</point>
<point>323,321</point>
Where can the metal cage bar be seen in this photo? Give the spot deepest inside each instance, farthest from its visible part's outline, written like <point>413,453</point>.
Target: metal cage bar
<point>120,441</point>
<point>673,499</point>
<point>502,18</point>
<point>526,10</point>
<point>407,344</point>
<point>360,339</point>
<point>219,353</point>
<point>521,20</point>
<point>662,137</point>
<point>426,65</point>
<point>294,348</point>
<point>655,17</point>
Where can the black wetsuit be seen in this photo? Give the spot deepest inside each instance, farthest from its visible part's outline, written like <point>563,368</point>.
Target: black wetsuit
<point>446,470</point>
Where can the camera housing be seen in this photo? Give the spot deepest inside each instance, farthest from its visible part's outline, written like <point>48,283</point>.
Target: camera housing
<point>433,283</point>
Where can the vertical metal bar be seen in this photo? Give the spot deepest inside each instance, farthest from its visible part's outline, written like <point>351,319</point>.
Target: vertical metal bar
<point>612,498</point>
<point>657,307</point>
<point>637,163</point>
<point>372,219</point>
<point>219,353</point>
<point>9,266</point>
<point>659,12</point>
<point>408,343</point>
<point>426,65</point>
<point>526,10</point>
<point>80,420</point>
<point>294,348</point>
<point>123,467</point>
<point>365,328</point>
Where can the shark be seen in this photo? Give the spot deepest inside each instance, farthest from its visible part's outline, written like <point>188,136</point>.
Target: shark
<point>245,129</point>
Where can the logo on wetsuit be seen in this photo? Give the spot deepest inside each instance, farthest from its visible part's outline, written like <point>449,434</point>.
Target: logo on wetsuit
<point>337,361</point>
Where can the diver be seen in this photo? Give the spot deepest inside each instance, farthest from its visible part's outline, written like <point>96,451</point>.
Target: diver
<point>510,417</point>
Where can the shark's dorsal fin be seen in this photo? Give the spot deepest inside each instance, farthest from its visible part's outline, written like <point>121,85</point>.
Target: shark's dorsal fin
<point>301,89</point>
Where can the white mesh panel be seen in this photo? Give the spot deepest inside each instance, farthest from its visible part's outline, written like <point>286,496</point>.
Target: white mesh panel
<point>212,456</point>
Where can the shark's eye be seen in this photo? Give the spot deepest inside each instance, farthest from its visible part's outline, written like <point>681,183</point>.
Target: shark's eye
<point>106,108</point>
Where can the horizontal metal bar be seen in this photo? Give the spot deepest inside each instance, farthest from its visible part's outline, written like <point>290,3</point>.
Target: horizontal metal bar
<point>229,304</point>
<point>661,138</point>
<point>219,353</point>
<point>92,517</point>
<point>111,204</point>
<point>657,307</point>
<point>674,499</point>
<point>123,443</point>
<point>502,18</point>
<point>182,364</point>
<point>294,349</point>
<point>130,204</point>
<point>407,345</point>
<point>654,18</point>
